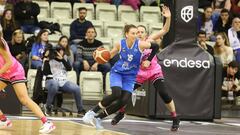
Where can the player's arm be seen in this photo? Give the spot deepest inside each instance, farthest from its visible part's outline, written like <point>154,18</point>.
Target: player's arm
<point>148,45</point>
<point>115,50</point>
<point>166,13</point>
<point>7,58</point>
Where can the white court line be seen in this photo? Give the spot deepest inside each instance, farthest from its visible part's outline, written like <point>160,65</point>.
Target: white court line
<point>50,118</point>
<point>200,132</point>
<point>97,130</point>
<point>233,124</point>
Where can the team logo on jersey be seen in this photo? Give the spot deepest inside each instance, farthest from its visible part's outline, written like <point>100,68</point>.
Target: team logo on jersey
<point>123,50</point>
<point>135,50</point>
<point>187,13</point>
<point>130,57</point>
<point>125,65</point>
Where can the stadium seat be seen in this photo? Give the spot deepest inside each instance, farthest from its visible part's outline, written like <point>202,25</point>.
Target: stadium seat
<point>31,75</point>
<point>53,38</point>
<point>65,26</point>
<point>150,14</point>
<point>88,6</point>
<point>155,27</point>
<point>61,10</point>
<point>53,20</point>
<point>98,24</point>
<point>107,83</point>
<point>116,40</point>
<point>107,42</point>
<point>71,76</point>
<point>106,12</point>
<point>127,14</point>
<point>26,36</point>
<point>91,84</point>
<point>113,29</point>
<point>44,9</point>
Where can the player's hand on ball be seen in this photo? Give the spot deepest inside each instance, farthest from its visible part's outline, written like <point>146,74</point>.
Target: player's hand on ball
<point>101,55</point>
<point>146,63</point>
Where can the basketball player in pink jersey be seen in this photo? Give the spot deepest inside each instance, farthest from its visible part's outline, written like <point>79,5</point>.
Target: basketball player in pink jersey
<point>153,72</point>
<point>12,72</point>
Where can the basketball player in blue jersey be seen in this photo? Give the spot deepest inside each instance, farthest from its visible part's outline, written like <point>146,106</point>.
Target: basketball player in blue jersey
<point>122,75</point>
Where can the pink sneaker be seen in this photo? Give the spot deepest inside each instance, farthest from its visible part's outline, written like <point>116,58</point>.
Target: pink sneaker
<point>47,127</point>
<point>5,124</point>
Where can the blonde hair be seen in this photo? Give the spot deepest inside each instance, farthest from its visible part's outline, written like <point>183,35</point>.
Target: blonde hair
<point>226,42</point>
<point>16,32</point>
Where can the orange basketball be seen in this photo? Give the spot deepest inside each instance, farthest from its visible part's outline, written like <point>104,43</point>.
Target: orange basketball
<point>101,55</point>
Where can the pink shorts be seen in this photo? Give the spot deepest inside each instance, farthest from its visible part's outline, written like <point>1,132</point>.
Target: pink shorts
<point>14,75</point>
<point>152,74</point>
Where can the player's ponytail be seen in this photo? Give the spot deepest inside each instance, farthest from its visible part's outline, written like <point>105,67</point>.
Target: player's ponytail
<point>2,46</point>
<point>1,42</point>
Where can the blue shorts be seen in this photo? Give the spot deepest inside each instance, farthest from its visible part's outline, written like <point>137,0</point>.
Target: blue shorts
<point>126,82</point>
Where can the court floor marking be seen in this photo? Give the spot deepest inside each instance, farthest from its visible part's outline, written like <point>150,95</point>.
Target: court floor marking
<point>73,121</point>
<point>200,132</point>
<point>85,125</point>
<point>126,120</point>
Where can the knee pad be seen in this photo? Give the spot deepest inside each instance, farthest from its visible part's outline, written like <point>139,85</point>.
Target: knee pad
<point>160,87</point>
<point>116,92</point>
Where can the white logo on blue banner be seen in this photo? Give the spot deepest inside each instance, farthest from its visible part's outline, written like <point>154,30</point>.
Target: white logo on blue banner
<point>187,13</point>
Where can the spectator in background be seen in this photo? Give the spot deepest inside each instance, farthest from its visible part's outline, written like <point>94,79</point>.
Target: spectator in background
<point>231,82</point>
<point>8,24</point>
<point>223,50</point>
<point>64,42</point>
<point>38,48</point>
<point>234,7</point>
<point>31,40</point>
<point>84,60</point>
<point>78,29</point>
<point>149,2</point>
<point>233,36</point>
<point>13,2</point>
<point>26,13</point>
<point>79,26</point>
<point>93,1</point>
<point>2,7</point>
<point>217,6</point>
<point>55,69</point>
<point>204,3</point>
<point>18,49</point>
<point>133,3</point>
<point>206,23</point>
<point>224,22</point>
<point>202,37</point>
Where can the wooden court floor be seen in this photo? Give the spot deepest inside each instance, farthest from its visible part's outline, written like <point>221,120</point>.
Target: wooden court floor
<point>31,127</point>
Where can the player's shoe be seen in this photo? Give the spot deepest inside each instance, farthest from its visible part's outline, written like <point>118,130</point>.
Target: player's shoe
<point>117,118</point>
<point>97,123</point>
<point>175,124</point>
<point>5,124</point>
<point>88,117</point>
<point>47,127</point>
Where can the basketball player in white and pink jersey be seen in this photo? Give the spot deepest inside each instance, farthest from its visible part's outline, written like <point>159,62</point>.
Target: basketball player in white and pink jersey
<point>154,71</point>
<point>12,72</point>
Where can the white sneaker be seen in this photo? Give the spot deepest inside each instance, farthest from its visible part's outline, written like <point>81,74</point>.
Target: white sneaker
<point>98,123</point>
<point>47,127</point>
<point>88,117</point>
<point>5,124</point>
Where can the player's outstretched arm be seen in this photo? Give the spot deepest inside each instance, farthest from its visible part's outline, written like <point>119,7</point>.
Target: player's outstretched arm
<point>166,13</point>
<point>148,45</point>
<point>7,58</point>
<point>115,50</point>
